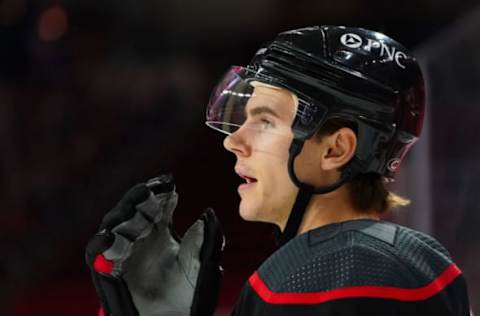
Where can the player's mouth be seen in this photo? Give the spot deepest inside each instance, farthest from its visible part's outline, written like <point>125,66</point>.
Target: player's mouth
<point>249,180</point>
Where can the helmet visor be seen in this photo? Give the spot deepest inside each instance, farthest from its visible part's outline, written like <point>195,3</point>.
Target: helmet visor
<point>241,101</point>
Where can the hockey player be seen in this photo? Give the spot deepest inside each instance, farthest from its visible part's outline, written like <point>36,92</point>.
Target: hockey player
<point>318,120</point>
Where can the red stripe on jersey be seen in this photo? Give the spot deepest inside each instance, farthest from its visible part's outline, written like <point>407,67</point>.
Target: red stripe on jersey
<point>395,293</point>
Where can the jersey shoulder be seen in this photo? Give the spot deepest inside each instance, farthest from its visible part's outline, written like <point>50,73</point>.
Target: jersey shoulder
<point>354,255</point>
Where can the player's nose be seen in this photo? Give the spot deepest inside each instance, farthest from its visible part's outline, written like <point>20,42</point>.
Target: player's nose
<point>237,143</point>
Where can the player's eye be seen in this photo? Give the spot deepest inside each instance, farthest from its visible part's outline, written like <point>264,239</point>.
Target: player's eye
<point>266,123</point>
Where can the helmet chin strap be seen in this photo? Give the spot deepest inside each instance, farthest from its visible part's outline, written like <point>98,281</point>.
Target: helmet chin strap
<point>304,194</point>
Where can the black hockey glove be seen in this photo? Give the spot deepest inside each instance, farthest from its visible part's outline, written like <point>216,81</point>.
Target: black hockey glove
<point>140,267</point>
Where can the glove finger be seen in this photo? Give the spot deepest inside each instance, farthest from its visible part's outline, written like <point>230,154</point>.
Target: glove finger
<point>210,274</point>
<point>137,227</point>
<point>161,184</point>
<point>189,252</point>
<point>133,216</point>
<point>159,208</point>
<point>201,244</point>
<point>125,209</point>
<point>161,204</point>
<point>169,205</point>
<point>155,209</point>
<point>214,239</point>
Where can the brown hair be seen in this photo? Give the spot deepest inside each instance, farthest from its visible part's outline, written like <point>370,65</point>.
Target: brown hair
<point>367,191</point>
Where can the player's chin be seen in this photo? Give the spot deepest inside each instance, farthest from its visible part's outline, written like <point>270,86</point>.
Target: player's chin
<point>248,211</point>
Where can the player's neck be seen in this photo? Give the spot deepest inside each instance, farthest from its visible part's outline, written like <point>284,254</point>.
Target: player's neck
<point>333,207</point>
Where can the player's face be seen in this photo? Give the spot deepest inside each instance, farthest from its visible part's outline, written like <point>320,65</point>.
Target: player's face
<point>261,147</point>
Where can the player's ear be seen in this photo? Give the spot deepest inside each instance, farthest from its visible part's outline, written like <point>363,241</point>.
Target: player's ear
<point>338,148</point>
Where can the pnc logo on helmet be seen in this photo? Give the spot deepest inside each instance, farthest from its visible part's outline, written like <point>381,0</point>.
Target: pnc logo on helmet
<point>378,47</point>
<point>351,40</point>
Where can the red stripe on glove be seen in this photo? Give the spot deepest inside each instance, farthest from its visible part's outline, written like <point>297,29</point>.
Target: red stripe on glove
<point>102,265</point>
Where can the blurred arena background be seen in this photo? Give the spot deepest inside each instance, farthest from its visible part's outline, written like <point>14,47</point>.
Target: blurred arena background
<point>98,95</point>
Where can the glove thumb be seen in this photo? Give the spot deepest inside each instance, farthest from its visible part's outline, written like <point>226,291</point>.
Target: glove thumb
<point>189,252</point>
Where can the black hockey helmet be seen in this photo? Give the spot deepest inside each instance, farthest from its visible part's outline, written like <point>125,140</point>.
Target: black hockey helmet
<point>353,74</point>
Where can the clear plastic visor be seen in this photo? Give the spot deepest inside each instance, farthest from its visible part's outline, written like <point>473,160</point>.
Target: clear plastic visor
<point>239,101</point>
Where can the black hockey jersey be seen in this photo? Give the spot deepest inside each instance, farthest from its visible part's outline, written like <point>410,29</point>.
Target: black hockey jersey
<point>358,267</point>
